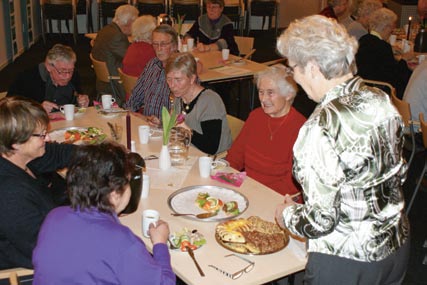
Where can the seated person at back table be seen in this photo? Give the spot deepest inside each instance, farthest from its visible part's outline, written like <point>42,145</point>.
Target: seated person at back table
<point>85,243</point>
<point>53,82</point>
<point>213,30</point>
<point>151,91</point>
<point>263,148</point>
<point>26,193</point>
<point>140,51</point>
<point>203,110</point>
<point>375,59</point>
<point>359,27</point>
<point>110,46</point>
<point>335,9</point>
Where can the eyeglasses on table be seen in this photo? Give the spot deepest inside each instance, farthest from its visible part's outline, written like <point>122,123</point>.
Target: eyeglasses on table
<point>239,273</point>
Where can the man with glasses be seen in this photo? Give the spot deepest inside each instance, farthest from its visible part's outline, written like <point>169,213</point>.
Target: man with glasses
<point>53,82</point>
<point>213,30</point>
<point>151,91</point>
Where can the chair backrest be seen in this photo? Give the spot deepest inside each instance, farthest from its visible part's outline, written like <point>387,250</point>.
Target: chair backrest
<point>385,86</point>
<point>403,108</point>
<point>245,44</point>
<point>13,273</point>
<point>235,125</point>
<point>128,81</point>
<point>423,125</point>
<point>3,94</point>
<point>101,69</point>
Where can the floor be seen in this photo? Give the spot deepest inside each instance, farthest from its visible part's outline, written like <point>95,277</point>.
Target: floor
<point>265,51</point>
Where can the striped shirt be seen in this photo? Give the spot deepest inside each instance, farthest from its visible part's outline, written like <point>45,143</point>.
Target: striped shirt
<point>151,90</point>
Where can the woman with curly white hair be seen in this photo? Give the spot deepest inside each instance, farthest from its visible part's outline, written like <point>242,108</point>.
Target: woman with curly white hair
<point>140,52</point>
<point>348,160</point>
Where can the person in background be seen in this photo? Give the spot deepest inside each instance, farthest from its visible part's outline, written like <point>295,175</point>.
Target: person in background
<point>26,194</point>
<point>53,82</point>
<point>375,59</point>
<point>111,44</point>
<point>264,146</point>
<point>359,27</point>
<point>213,30</point>
<point>140,51</point>
<point>203,110</point>
<point>86,243</point>
<point>416,91</point>
<point>335,9</point>
<point>151,91</point>
<point>353,217</point>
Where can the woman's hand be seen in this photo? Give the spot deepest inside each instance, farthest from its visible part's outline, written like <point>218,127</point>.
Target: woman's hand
<point>279,209</point>
<point>159,233</point>
<point>83,100</point>
<point>153,121</point>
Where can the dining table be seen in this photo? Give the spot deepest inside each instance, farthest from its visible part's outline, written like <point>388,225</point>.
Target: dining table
<point>261,202</point>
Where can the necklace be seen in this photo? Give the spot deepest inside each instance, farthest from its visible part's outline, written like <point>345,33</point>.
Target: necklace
<point>272,133</point>
<point>187,107</point>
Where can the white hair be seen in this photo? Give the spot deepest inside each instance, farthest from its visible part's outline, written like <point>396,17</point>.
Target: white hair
<point>282,78</point>
<point>125,14</point>
<point>142,28</point>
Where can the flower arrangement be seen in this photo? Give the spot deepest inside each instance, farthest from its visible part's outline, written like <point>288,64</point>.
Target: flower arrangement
<point>180,21</point>
<point>168,122</point>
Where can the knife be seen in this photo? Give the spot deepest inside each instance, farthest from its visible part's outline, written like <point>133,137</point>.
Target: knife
<point>191,253</point>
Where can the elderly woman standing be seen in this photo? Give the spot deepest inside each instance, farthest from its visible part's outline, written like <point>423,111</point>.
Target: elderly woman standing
<point>26,194</point>
<point>375,58</point>
<point>264,146</point>
<point>122,257</point>
<point>140,52</point>
<point>204,111</point>
<point>348,160</point>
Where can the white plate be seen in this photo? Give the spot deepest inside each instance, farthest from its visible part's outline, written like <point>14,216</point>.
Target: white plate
<point>184,201</point>
<point>156,133</point>
<point>58,135</point>
<point>220,164</point>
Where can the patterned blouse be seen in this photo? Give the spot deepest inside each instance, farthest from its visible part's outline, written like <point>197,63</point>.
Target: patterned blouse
<point>348,160</point>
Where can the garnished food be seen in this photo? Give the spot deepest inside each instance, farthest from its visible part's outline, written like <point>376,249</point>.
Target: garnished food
<point>90,135</point>
<point>212,204</point>
<point>252,236</point>
<point>186,238</point>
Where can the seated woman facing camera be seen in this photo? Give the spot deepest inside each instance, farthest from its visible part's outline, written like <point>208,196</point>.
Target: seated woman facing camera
<point>264,146</point>
<point>203,110</point>
<point>85,243</point>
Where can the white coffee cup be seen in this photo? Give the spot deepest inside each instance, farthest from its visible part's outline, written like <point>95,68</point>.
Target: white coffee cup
<point>225,53</point>
<point>421,58</point>
<point>107,101</point>
<point>392,39</point>
<point>406,46</point>
<point>190,44</point>
<point>145,186</point>
<point>205,165</point>
<point>184,48</point>
<point>149,217</point>
<point>144,134</point>
<point>68,111</point>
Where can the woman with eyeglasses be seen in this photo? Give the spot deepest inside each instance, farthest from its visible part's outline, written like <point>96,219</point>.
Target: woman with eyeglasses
<point>52,83</point>
<point>348,159</point>
<point>27,193</point>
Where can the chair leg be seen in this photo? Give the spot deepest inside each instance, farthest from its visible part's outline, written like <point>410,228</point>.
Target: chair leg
<point>417,188</point>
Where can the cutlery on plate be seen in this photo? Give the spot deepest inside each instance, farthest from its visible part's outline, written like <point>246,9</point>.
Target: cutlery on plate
<point>191,253</point>
<point>199,216</point>
<point>151,157</point>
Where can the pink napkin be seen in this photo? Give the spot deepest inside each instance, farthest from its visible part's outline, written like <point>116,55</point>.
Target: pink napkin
<point>235,179</point>
<point>98,105</point>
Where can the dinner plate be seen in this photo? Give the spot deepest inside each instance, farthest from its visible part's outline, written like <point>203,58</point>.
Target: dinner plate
<point>184,201</point>
<point>58,136</point>
<point>194,237</point>
<point>220,164</point>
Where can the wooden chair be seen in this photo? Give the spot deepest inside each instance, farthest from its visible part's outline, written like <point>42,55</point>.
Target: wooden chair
<point>13,275</point>
<point>385,86</point>
<point>151,7</point>
<point>274,62</point>
<point>423,125</point>
<point>103,75</point>
<point>107,9</point>
<point>235,10</point>
<point>235,125</point>
<point>264,8</point>
<point>192,9</point>
<point>58,10</point>
<point>3,94</point>
<point>245,44</point>
<point>128,82</point>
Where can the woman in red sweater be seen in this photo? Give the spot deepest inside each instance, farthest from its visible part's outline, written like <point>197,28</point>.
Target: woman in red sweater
<point>264,146</point>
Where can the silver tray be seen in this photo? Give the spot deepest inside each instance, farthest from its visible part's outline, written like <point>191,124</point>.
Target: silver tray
<point>184,201</point>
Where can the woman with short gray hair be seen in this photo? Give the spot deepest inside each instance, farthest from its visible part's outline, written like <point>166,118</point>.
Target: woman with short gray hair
<point>359,27</point>
<point>263,148</point>
<point>348,160</point>
<point>375,58</point>
<point>140,52</point>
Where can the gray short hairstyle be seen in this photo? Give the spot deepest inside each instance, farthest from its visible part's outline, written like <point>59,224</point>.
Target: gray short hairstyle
<point>61,52</point>
<point>167,29</point>
<point>142,28</point>
<point>367,7</point>
<point>283,79</point>
<point>184,62</point>
<point>380,19</point>
<point>125,14</point>
<point>321,40</point>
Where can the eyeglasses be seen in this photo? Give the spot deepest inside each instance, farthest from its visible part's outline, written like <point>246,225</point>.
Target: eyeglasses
<point>239,273</point>
<point>290,68</point>
<point>42,135</point>
<point>161,44</point>
<point>62,72</point>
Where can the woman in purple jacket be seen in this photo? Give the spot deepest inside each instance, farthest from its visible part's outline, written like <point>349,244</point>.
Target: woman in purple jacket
<point>85,243</point>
